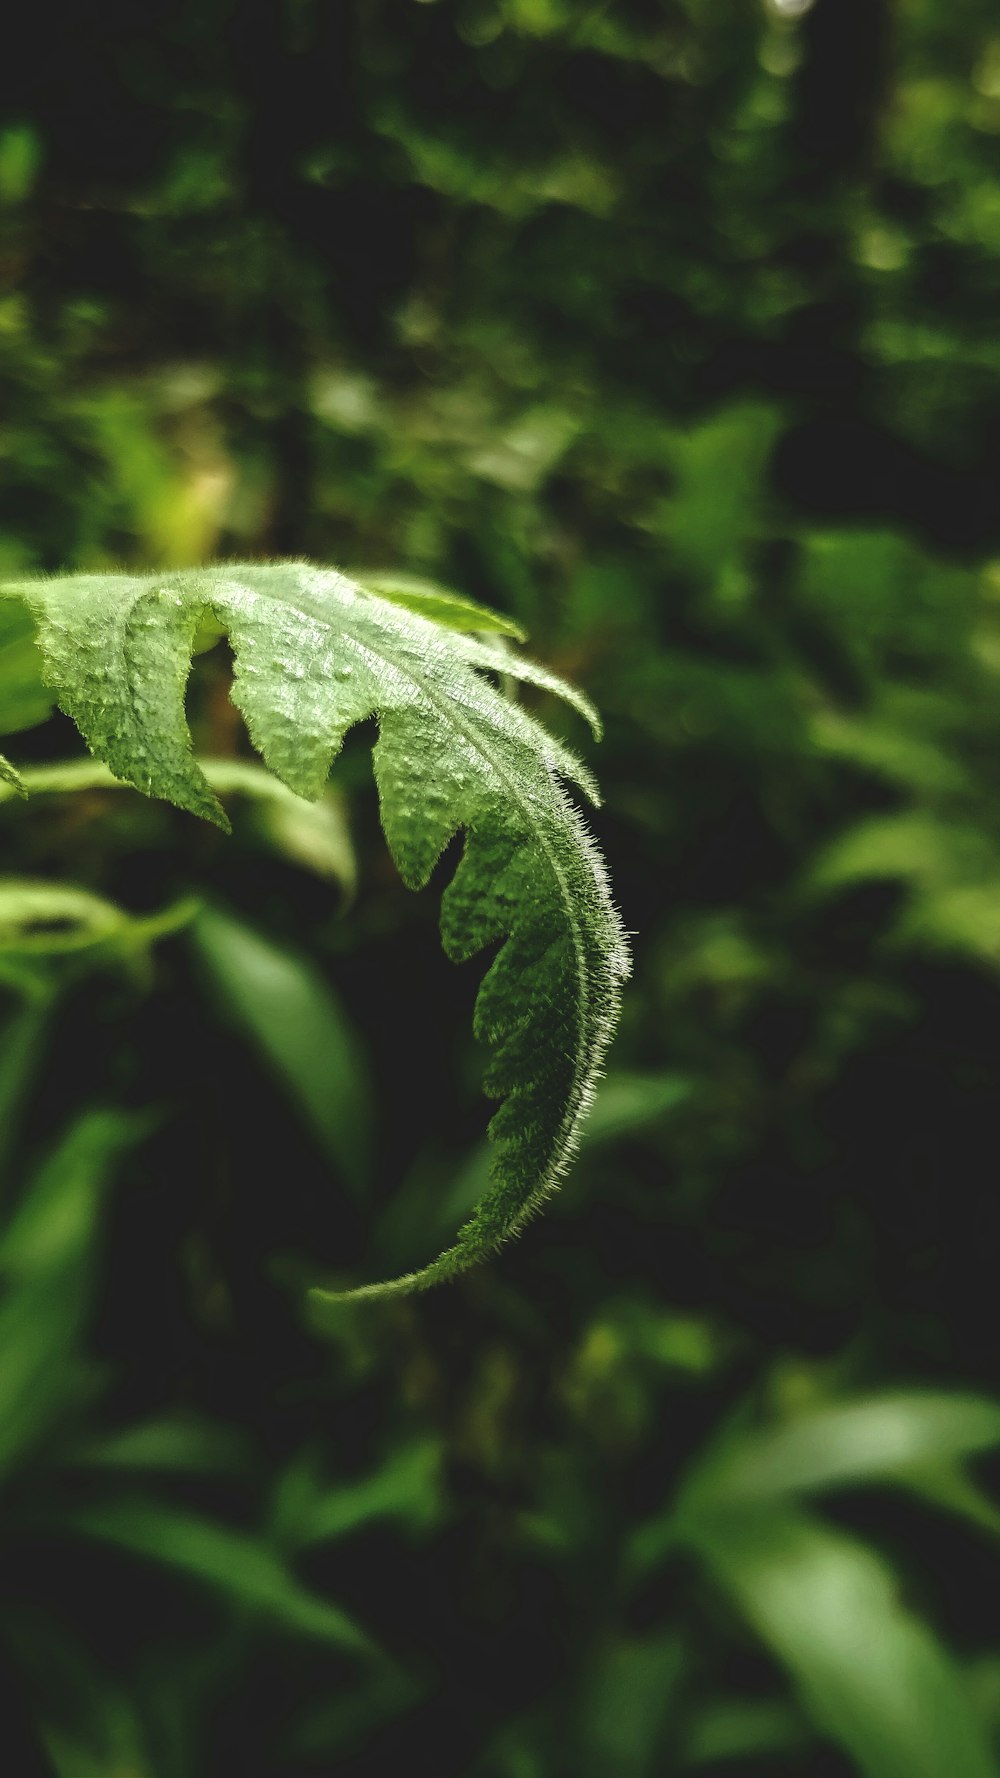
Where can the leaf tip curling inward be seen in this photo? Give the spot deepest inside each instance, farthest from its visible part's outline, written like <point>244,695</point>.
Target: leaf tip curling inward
<point>314,654</point>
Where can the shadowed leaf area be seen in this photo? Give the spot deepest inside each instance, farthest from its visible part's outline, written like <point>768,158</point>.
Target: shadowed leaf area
<point>639,359</point>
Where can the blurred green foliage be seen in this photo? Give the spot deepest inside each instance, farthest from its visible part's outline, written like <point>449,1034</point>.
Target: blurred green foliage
<point>669,331</point>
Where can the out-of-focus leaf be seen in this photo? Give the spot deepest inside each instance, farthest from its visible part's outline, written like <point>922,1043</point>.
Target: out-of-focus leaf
<point>915,1438</point>
<point>898,753</point>
<point>871,1674</point>
<point>74,1757</point>
<point>46,1260</point>
<point>521,456</point>
<point>915,846</point>
<point>719,467</point>
<point>740,1728</point>
<point>340,1721</point>
<point>296,1021</point>
<point>630,1102</point>
<point>54,1219</point>
<point>951,869</point>
<point>110,1750</point>
<point>50,920</point>
<point>964,918</point>
<point>857,1441</point>
<point>636,1327</point>
<point>873,587</point>
<point>22,1038</point>
<point>113,1747</point>
<point>240,1567</point>
<point>947,1486</point>
<point>407,1487</point>
<point>314,834</point>
<point>39,1372</point>
<point>628,1699</point>
<point>91,1727</point>
<point>688,702</point>
<point>25,700</point>
<point>983,1680</point>
<point>455,610</point>
<point>20,157</point>
<point>185,1446</point>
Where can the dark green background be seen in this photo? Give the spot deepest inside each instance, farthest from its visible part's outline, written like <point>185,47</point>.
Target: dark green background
<point>672,330</point>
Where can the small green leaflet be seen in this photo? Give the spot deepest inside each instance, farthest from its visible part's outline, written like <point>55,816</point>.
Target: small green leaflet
<point>314,654</point>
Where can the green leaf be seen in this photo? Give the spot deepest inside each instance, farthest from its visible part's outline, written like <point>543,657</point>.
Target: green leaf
<point>234,1563</point>
<point>720,466</point>
<point>55,1216</point>
<point>914,846</point>
<point>90,1726</point>
<point>47,921</point>
<point>314,654</point>
<point>453,610</point>
<point>296,1021</point>
<point>10,775</point>
<point>345,1719</point>
<point>628,1700</point>
<point>20,154</point>
<point>25,699</point>
<point>46,1260</point>
<point>623,1104</point>
<point>628,1102</point>
<point>22,1039</point>
<point>727,1728</point>
<point>50,918</point>
<point>871,1674</point>
<point>314,834</point>
<point>118,1750</point>
<point>851,1442</point>
<point>900,753</point>
<point>166,1444</point>
<point>916,1438</point>
<point>407,1487</point>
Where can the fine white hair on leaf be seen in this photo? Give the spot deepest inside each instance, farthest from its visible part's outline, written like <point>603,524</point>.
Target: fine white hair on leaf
<point>314,654</point>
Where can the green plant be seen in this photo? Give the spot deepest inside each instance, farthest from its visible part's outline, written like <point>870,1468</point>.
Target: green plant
<point>314,654</point>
